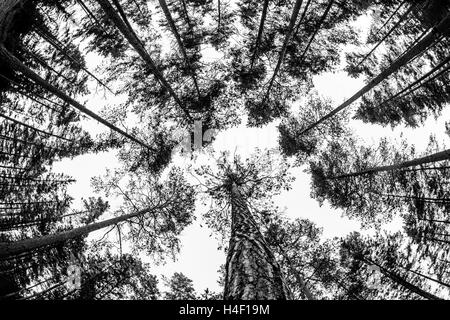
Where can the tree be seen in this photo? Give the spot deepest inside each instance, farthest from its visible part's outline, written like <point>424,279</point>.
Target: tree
<point>251,270</point>
<point>180,287</point>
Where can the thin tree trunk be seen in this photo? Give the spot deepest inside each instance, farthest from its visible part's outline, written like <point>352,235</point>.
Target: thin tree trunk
<point>251,269</point>
<point>27,72</point>
<point>260,32</point>
<point>294,16</point>
<point>297,276</point>
<point>60,47</point>
<point>435,157</point>
<point>18,247</point>
<point>400,280</point>
<point>426,277</point>
<point>132,38</point>
<point>391,16</point>
<point>412,87</point>
<point>322,20</point>
<point>420,47</point>
<point>33,128</point>
<point>435,221</point>
<point>169,19</point>
<point>219,14</point>
<point>303,16</point>
<point>186,14</point>
<point>417,198</point>
<point>32,143</point>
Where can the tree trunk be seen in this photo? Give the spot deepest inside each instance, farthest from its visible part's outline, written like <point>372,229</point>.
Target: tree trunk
<point>132,38</point>
<point>294,16</point>
<point>435,157</point>
<point>401,281</point>
<point>18,247</point>
<point>396,25</point>
<point>319,25</point>
<point>260,31</point>
<point>33,128</point>
<point>30,74</point>
<point>414,86</point>
<point>251,269</point>
<point>434,221</point>
<point>169,19</point>
<point>303,16</point>
<point>186,14</point>
<point>420,47</point>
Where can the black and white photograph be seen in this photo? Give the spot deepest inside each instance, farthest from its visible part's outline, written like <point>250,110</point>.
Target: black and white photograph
<point>224,155</point>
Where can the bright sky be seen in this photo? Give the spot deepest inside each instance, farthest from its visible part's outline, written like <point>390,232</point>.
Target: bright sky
<point>200,258</point>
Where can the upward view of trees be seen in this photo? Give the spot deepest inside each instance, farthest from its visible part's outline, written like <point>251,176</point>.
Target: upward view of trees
<point>135,79</point>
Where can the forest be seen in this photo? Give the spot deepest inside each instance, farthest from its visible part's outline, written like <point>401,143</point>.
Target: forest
<point>146,91</point>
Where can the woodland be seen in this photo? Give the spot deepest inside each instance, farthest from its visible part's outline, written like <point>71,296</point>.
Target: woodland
<point>173,74</point>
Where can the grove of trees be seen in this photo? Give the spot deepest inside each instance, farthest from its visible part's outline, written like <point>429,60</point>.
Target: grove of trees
<point>133,78</point>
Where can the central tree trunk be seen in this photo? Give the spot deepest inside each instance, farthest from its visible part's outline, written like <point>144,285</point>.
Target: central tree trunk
<point>252,273</point>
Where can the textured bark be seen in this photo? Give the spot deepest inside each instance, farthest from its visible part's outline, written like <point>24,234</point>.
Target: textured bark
<point>251,269</point>
<point>412,53</point>
<point>18,247</point>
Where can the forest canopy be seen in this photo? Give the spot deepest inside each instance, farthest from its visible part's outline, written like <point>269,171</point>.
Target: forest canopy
<point>152,86</point>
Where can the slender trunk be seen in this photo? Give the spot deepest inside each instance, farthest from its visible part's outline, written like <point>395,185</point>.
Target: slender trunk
<point>400,280</point>
<point>91,15</point>
<point>26,203</point>
<point>46,65</point>
<point>297,276</point>
<point>391,16</point>
<point>36,180</point>
<point>387,35</point>
<point>59,46</point>
<point>417,198</point>
<point>303,16</point>
<point>32,128</point>
<point>186,14</point>
<point>437,240</point>
<point>219,14</point>
<point>136,43</point>
<point>35,144</point>
<point>294,16</point>
<point>426,277</point>
<point>18,247</point>
<point>435,221</point>
<point>435,157</point>
<point>16,155</point>
<point>260,32</point>
<point>12,168</point>
<point>174,30</point>
<point>251,269</point>
<point>27,72</point>
<point>418,83</point>
<point>420,47</point>
<point>316,31</point>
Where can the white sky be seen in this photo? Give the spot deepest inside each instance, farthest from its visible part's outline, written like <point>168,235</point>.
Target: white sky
<point>200,258</point>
